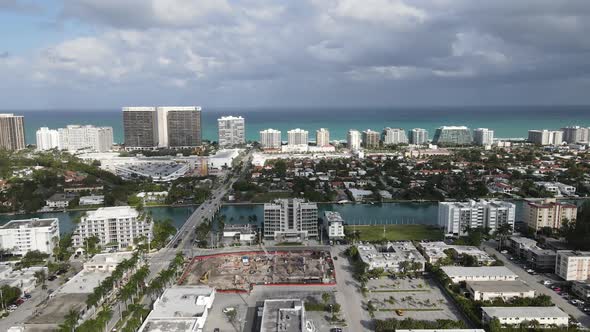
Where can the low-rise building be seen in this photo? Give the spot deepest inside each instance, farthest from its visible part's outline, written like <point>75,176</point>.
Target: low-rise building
<point>520,245</point>
<point>557,188</point>
<point>153,196</point>
<point>91,200</point>
<point>334,225</point>
<point>223,159</point>
<point>283,315</point>
<point>573,265</point>
<point>242,233</point>
<point>180,308</point>
<point>59,200</point>
<point>542,259</point>
<point>23,279</point>
<point>545,316</point>
<point>157,171</point>
<point>482,273</point>
<point>582,289</point>
<point>22,236</point>
<point>391,256</point>
<point>489,290</point>
<point>434,251</point>
<point>106,262</point>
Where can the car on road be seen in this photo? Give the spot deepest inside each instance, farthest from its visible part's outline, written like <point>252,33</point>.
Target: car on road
<point>335,329</point>
<point>19,301</point>
<point>27,296</point>
<point>12,307</point>
<point>399,312</point>
<point>52,277</point>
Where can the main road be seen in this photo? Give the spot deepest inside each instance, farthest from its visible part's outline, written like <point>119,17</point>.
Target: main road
<point>183,241</point>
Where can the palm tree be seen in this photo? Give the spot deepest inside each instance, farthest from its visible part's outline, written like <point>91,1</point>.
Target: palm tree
<point>41,277</point>
<point>71,320</point>
<point>104,316</point>
<point>502,232</point>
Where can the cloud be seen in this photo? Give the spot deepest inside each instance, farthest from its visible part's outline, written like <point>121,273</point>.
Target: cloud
<point>20,6</point>
<point>328,50</point>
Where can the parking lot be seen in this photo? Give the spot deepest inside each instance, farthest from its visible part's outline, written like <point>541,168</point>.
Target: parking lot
<point>536,281</point>
<point>416,298</point>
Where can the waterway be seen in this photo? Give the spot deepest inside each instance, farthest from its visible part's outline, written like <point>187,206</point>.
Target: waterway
<point>360,214</point>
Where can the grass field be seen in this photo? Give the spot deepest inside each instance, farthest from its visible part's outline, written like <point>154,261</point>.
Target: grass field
<point>396,232</point>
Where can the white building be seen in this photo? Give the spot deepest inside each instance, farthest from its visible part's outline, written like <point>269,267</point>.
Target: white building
<point>582,289</point>
<point>390,256</point>
<point>322,137</point>
<point>88,137</point>
<point>22,236</point>
<point>231,130</point>
<point>180,308</point>
<point>481,273</point>
<point>290,219</point>
<point>393,136</point>
<point>576,134</point>
<point>115,226</point>
<point>334,225</point>
<point>242,233</point>
<point>557,188</point>
<point>106,262</point>
<point>270,139</point>
<point>418,136</point>
<point>489,290</point>
<point>24,278</point>
<point>545,316</point>
<point>156,170</point>
<point>456,217</point>
<point>91,200</point>
<point>47,139</point>
<point>435,250</point>
<point>546,137</point>
<point>298,137</point>
<point>483,136</point>
<point>223,158</point>
<point>353,139</point>
<point>573,265</point>
<point>283,315</point>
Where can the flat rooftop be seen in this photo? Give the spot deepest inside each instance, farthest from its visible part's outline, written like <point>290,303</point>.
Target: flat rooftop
<point>112,212</point>
<point>110,258</point>
<point>436,250</point>
<point>499,286</point>
<point>528,312</point>
<point>461,271</point>
<point>332,216</point>
<point>179,325</point>
<point>524,241</point>
<point>573,253</point>
<point>83,283</point>
<point>392,251</point>
<point>283,316</point>
<point>182,301</point>
<point>55,310</point>
<point>155,169</point>
<point>33,222</point>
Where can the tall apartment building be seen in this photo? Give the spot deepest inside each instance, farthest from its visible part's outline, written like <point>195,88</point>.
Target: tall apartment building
<point>231,131</point>
<point>141,127</point>
<point>270,139</point>
<point>548,213</point>
<point>452,135</point>
<point>573,265</point>
<point>576,134</point>
<point>22,236</point>
<point>183,126</point>
<point>164,126</point>
<point>370,139</point>
<point>546,137</point>
<point>393,136</point>
<point>115,226</point>
<point>322,137</point>
<point>483,136</point>
<point>353,139</point>
<point>418,136</point>
<point>77,137</point>
<point>47,139</point>
<point>12,132</point>
<point>456,217</point>
<point>297,137</point>
<point>290,219</point>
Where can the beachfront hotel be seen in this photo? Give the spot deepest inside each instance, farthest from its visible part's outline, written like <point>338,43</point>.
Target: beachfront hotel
<point>231,131</point>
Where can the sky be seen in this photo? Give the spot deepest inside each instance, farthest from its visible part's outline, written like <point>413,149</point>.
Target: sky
<point>94,54</point>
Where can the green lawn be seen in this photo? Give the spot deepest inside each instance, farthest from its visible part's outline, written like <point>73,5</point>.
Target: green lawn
<point>396,232</point>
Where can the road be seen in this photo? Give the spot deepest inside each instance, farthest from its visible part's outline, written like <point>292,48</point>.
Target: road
<point>348,294</point>
<point>534,282</point>
<point>184,239</point>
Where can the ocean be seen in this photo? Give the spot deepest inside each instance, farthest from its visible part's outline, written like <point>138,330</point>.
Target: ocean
<point>507,121</point>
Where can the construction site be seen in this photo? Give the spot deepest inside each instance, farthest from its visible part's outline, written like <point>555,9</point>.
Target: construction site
<point>241,271</point>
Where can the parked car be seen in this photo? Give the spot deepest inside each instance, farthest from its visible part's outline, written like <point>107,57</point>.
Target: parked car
<point>27,296</point>
<point>12,307</point>
<point>52,277</point>
<point>19,301</point>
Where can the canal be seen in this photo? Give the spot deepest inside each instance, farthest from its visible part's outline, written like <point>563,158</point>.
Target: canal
<point>360,214</point>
